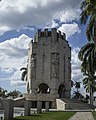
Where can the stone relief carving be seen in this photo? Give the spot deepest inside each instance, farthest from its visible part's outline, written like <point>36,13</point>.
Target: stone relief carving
<point>64,67</point>
<point>55,65</point>
<point>69,68</point>
<point>33,66</point>
<point>33,62</point>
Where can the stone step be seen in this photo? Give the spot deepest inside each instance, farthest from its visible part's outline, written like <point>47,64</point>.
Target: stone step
<point>66,104</point>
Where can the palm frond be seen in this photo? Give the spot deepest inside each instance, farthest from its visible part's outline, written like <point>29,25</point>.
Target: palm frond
<point>23,75</point>
<point>84,49</point>
<point>83,17</point>
<point>83,4</point>
<point>93,2</point>
<point>23,68</point>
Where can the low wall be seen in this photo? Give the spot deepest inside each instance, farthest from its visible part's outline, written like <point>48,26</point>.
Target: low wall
<point>1,104</point>
<point>19,102</point>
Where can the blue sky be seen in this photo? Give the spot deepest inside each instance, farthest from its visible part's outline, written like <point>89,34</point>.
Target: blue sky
<point>19,21</point>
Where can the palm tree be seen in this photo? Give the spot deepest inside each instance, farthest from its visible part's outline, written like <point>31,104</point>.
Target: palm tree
<point>88,15</point>
<point>76,94</point>
<point>87,55</point>
<point>77,85</point>
<point>89,85</point>
<point>72,83</point>
<point>24,73</point>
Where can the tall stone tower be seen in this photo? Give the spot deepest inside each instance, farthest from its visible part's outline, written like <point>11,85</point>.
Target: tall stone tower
<point>49,67</point>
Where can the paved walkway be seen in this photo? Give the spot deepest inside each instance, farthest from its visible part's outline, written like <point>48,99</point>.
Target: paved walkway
<point>82,116</point>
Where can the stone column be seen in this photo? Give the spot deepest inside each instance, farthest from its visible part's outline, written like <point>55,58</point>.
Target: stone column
<point>39,106</point>
<point>54,106</point>
<point>27,106</point>
<point>8,109</point>
<point>53,91</point>
<point>46,106</point>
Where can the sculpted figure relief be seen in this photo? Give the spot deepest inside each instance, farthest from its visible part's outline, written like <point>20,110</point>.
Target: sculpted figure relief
<point>33,62</point>
<point>55,65</point>
<point>33,67</point>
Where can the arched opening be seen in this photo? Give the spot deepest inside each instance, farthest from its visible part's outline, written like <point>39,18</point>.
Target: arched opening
<point>61,91</point>
<point>43,88</point>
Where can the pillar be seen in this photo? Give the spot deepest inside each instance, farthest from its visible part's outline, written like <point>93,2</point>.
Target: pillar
<point>39,106</point>
<point>27,107</point>
<point>54,104</point>
<point>46,106</point>
<point>8,109</point>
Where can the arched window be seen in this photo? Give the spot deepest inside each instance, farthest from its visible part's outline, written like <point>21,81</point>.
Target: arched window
<point>43,88</point>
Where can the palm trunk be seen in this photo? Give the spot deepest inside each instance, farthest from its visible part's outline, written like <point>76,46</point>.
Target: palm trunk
<point>91,94</point>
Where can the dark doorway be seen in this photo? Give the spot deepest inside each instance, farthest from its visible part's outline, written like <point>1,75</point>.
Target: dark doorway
<point>61,91</point>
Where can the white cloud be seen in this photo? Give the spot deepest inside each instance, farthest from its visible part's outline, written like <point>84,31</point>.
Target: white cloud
<point>69,15</point>
<point>3,29</point>
<point>17,83</point>
<point>69,29</point>
<point>28,28</point>
<point>13,56</point>
<point>52,24</point>
<point>16,78</point>
<point>14,47</point>
<point>15,14</point>
<point>76,71</point>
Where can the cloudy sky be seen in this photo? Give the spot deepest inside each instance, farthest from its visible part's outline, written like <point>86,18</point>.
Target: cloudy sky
<point>19,21</point>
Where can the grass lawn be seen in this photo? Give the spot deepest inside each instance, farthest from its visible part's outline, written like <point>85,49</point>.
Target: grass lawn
<point>94,114</point>
<point>47,116</point>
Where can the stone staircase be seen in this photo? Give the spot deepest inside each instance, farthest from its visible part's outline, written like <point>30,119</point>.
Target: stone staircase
<point>72,104</point>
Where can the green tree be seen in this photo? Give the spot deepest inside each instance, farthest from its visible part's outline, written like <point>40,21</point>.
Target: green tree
<point>77,85</point>
<point>87,55</point>
<point>88,16</point>
<point>3,93</point>
<point>24,73</point>
<point>72,83</point>
<point>76,94</point>
<point>14,94</point>
<point>89,85</point>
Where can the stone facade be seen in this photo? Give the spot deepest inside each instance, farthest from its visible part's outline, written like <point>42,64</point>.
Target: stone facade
<point>49,67</point>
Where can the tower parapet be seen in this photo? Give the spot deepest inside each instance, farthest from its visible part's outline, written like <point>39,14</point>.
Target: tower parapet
<point>49,33</point>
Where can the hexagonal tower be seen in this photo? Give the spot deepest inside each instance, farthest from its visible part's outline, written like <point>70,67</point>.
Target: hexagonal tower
<point>49,67</point>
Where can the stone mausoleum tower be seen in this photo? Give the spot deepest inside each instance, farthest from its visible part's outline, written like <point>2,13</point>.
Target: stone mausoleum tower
<point>49,67</point>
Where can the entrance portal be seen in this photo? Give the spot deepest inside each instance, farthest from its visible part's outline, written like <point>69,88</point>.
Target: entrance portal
<point>61,91</point>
